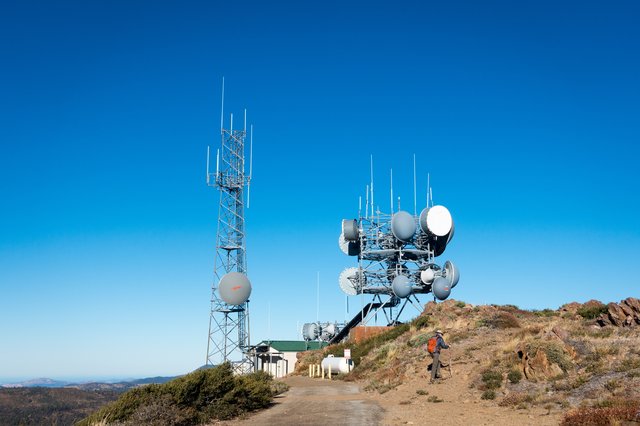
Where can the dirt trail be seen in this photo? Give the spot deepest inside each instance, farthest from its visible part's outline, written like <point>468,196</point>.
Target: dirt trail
<point>318,402</point>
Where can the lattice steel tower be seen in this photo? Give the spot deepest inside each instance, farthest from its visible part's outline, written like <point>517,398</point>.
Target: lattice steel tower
<point>228,338</point>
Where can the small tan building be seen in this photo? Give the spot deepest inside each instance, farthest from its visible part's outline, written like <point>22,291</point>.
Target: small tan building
<point>279,357</point>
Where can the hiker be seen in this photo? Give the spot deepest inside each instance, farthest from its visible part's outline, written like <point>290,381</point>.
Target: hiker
<point>434,345</point>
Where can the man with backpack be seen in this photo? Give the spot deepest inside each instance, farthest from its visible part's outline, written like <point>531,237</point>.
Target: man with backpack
<point>435,344</point>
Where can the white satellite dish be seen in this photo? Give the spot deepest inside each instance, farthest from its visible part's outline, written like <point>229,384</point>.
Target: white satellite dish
<point>351,281</point>
<point>350,229</point>
<point>436,221</point>
<point>234,288</point>
<point>427,276</point>
<point>350,248</point>
<point>451,273</point>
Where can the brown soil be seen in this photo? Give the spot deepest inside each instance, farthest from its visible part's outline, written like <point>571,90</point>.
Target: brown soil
<point>317,402</point>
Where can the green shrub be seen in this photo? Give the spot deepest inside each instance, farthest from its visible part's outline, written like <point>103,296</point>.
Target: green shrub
<point>204,395</point>
<point>362,349</point>
<point>514,376</point>
<point>460,304</point>
<point>546,313</point>
<point>488,394</point>
<point>421,322</point>
<point>592,310</point>
<point>492,379</point>
<point>422,392</point>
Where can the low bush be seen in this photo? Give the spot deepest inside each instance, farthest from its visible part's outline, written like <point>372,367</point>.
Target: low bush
<point>592,310</point>
<point>421,322</point>
<point>501,320</point>
<point>204,395</point>
<point>488,394</point>
<point>514,376</point>
<point>491,379</point>
<point>362,349</point>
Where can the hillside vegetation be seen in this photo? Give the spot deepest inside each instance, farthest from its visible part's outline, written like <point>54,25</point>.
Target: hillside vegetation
<point>570,365</point>
<point>199,397</point>
<point>49,406</point>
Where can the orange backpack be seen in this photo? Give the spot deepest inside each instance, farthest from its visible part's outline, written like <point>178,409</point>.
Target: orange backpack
<point>431,344</point>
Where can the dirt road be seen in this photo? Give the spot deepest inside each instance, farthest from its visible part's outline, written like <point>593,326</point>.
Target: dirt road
<point>318,402</point>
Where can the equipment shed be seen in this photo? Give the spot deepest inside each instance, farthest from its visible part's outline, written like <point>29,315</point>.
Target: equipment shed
<point>279,357</point>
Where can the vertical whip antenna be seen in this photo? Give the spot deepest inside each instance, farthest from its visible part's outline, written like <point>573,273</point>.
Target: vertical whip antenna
<point>428,187</point>
<point>222,108</point>
<point>245,120</point>
<point>366,204</point>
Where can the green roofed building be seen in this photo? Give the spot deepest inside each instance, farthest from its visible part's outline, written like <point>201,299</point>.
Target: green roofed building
<point>279,357</point>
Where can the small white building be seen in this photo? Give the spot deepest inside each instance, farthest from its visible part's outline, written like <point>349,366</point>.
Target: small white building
<point>279,357</point>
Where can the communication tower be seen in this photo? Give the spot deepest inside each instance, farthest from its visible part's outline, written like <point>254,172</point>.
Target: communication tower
<point>396,254</point>
<point>229,337</point>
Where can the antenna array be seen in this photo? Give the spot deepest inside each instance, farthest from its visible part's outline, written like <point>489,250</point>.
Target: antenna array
<point>229,337</point>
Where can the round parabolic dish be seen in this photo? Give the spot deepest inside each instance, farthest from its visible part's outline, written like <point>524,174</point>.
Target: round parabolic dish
<point>310,331</point>
<point>403,226</point>
<point>351,281</point>
<point>441,288</point>
<point>350,248</point>
<point>427,276</point>
<point>452,273</point>
<point>436,221</point>
<point>350,229</point>
<point>401,286</point>
<point>234,288</point>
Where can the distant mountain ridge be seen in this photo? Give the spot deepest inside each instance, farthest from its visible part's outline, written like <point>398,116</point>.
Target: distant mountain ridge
<point>118,386</point>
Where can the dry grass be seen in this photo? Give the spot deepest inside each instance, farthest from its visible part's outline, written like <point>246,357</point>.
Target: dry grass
<point>616,413</point>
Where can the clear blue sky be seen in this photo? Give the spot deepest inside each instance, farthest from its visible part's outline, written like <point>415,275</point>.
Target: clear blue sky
<point>526,116</point>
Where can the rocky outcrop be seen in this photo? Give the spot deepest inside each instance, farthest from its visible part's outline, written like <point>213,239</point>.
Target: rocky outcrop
<point>538,367</point>
<point>623,314</point>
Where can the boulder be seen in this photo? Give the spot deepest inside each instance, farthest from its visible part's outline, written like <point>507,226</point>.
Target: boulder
<point>616,315</point>
<point>539,367</point>
<point>572,307</point>
<point>634,305</point>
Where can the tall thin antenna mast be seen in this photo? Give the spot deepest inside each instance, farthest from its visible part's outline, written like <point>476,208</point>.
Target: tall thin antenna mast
<point>415,200</point>
<point>366,204</point>
<point>222,108</point>
<point>228,336</point>
<point>391,191</point>
<point>428,187</point>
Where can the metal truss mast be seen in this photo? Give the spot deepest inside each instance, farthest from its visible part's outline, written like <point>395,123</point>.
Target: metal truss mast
<point>228,338</point>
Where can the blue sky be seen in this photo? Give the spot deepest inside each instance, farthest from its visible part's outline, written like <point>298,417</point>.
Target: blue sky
<point>525,115</point>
